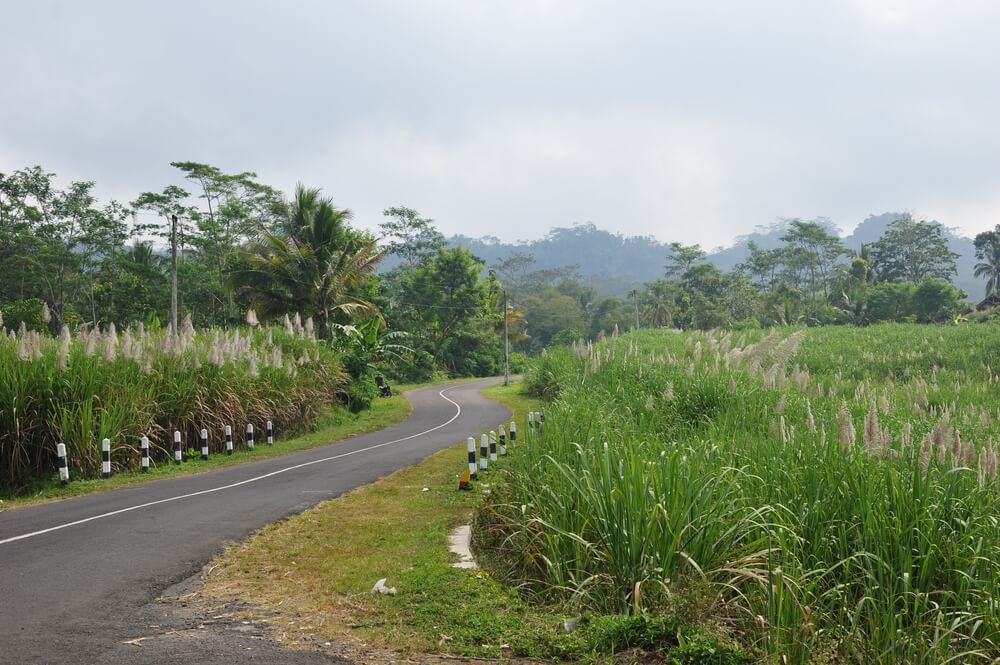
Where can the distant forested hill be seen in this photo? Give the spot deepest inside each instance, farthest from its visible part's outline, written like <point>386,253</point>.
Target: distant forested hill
<point>614,264</point>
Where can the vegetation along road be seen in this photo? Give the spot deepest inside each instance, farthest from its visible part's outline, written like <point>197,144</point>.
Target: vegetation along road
<point>79,576</point>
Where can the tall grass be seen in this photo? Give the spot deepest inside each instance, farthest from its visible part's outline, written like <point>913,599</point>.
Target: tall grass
<point>836,487</point>
<point>99,384</point>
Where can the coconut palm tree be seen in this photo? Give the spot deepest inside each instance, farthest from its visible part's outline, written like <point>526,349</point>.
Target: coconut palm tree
<point>989,266</point>
<point>313,263</point>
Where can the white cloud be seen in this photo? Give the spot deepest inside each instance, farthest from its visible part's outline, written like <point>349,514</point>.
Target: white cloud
<point>688,121</point>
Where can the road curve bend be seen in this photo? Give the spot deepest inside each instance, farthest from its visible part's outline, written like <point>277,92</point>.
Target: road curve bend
<point>73,573</point>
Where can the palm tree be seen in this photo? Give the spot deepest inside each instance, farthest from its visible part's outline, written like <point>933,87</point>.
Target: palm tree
<point>989,267</point>
<point>313,264</point>
<point>658,303</point>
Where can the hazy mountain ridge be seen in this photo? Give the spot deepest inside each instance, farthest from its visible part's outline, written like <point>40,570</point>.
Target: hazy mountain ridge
<point>614,263</point>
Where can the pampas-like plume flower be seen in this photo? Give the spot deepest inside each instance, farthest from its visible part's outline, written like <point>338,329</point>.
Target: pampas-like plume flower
<point>310,328</point>
<point>926,452</point>
<point>111,344</point>
<point>846,434</point>
<point>906,436</point>
<point>779,408</point>
<point>65,340</point>
<point>252,318</point>
<point>649,403</point>
<point>46,314</point>
<point>872,432</point>
<point>668,392</point>
<point>810,421</point>
<point>732,386</point>
<point>289,330</point>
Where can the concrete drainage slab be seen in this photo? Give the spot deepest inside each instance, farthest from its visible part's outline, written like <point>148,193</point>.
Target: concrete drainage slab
<point>459,541</point>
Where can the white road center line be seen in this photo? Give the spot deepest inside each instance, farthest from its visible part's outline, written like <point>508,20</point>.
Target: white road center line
<point>24,536</point>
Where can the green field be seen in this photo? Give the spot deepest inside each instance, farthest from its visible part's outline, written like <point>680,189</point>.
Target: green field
<point>820,495</point>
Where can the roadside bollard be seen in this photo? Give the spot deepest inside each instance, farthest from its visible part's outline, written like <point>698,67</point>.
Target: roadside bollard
<point>229,440</point>
<point>270,433</point>
<point>106,458</point>
<point>471,447</point>
<point>531,421</point>
<point>144,453</point>
<point>250,436</point>
<point>63,464</point>
<point>513,433</point>
<point>503,441</point>
<point>204,444</point>
<point>178,454</point>
<point>484,452</point>
<point>541,417</point>
<point>493,446</point>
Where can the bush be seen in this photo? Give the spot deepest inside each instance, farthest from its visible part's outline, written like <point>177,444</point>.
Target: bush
<point>360,393</point>
<point>27,311</point>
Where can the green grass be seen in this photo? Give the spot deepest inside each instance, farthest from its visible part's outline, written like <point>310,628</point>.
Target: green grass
<point>836,489</point>
<point>337,425</point>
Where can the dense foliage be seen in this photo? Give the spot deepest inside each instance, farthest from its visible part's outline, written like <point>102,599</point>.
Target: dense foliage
<point>837,487</point>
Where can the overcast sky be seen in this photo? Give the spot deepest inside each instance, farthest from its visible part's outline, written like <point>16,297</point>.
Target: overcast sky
<point>690,121</point>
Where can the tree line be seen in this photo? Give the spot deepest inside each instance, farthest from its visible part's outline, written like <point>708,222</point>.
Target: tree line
<point>811,278</point>
<point>243,246</point>
<point>244,249</point>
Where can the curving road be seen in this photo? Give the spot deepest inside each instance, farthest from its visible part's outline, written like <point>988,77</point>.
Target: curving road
<point>76,576</point>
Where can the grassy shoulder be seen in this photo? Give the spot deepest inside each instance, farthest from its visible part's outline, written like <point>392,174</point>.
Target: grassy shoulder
<point>329,557</point>
<point>337,425</point>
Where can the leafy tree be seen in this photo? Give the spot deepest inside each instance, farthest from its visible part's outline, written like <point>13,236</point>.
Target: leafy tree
<point>810,255</point>
<point>409,235</point>
<point>682,258</point>
<point>889,301</point>
<point>936,299</point>
<point>609,313</point>
<point>911,250</point>
<point>441,298</point>
<point>762,266</point>
<point>548,313</point>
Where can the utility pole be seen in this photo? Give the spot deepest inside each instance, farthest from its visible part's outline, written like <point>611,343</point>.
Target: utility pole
<point>506,344</point>
<point>635,299</point>
<point>173,275</point>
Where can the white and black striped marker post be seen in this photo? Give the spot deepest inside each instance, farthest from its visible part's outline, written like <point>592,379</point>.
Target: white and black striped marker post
<point>229,440</point>
<point>106,458</point>
<point>531,421</point>
<point>63,464</point>
<point>541,417</point>
<point>513,433</point>
<point>471,446</point>
<point>484,452</point>
<point>503,441</point>
<point>493,446</point>
<point>250,436</point>
<point>270,433</point>
<point>204,444</point>
<point>144,453</point>
<point>178,455</point>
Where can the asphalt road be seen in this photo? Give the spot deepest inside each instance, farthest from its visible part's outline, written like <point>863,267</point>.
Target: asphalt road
<point>78,578</point>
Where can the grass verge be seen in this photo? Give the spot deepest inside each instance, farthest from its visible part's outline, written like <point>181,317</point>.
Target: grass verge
<point>336,426</point>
